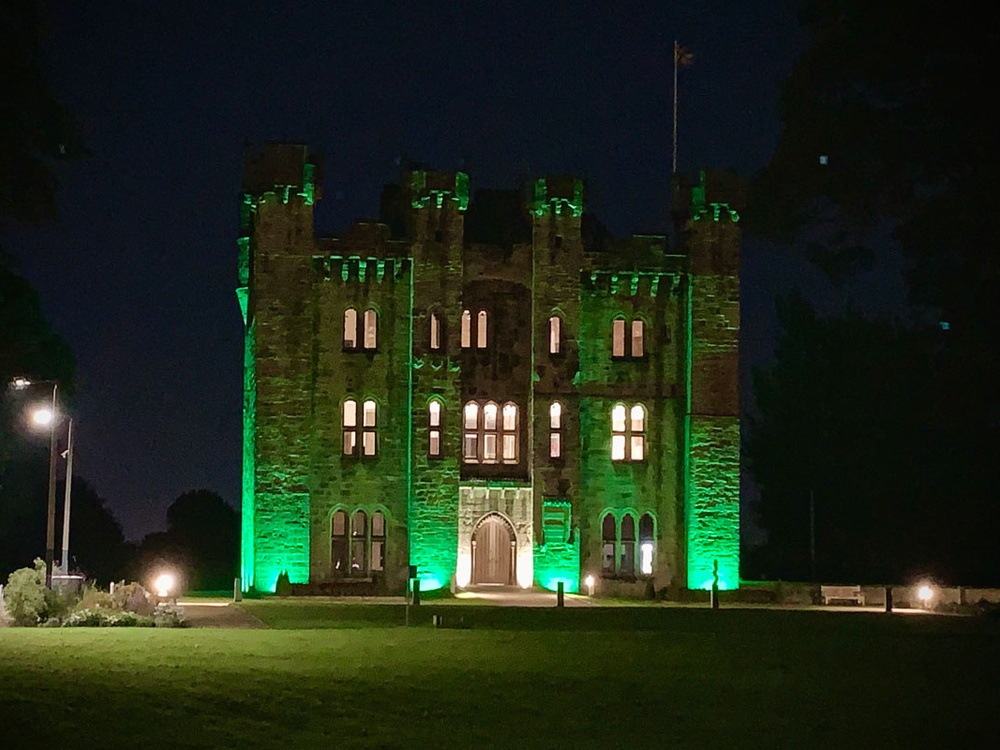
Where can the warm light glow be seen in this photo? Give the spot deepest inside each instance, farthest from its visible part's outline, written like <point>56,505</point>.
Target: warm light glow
<point>43,416</point>
<point>646,558</point>
<point>463,572</point>
<point>925,592</point>
<point>589,581</point>
<point>164,584</point>
<point>20,383</point>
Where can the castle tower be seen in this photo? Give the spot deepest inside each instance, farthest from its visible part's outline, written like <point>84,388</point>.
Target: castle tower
<point>712,476</point>
<point>436,203</point>
<point>557,257</point>
<point>276,250</point>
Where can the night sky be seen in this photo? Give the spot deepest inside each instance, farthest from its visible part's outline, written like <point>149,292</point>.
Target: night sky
<point>139,271</point>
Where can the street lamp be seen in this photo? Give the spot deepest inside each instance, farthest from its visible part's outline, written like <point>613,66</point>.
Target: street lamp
<point>45,417</point>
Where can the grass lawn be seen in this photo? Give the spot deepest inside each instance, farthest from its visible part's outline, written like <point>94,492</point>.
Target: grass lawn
<point>333,675</point>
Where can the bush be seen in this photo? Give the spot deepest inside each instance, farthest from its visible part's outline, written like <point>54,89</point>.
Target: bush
<point>24,595</point>
<point>132,597</point>
<point>96,599</point>
<point>167,616</point>
<point>106,618</point>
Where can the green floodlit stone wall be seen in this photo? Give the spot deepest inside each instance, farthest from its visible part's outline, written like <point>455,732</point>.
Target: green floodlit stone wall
<point>557,556</point>
<point>249,430</point>
<point>437,286</point>
<point>714,523</point>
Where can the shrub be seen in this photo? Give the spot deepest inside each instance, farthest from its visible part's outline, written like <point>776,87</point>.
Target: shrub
<point>132,597</point>
<point>106,618</point>
<point>24,595</point>
<point>96,599</point>
<point>167,616</point>
<point>283,586</point>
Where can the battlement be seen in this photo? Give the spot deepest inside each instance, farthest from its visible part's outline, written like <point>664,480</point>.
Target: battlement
<point>558,195</point>
<point>432,188</point>
<point>285,169</point>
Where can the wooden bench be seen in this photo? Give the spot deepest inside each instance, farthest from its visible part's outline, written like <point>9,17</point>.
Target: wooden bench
<point>842,593</point>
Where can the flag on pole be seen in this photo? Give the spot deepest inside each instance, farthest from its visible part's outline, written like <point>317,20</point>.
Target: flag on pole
<point>682,57</point>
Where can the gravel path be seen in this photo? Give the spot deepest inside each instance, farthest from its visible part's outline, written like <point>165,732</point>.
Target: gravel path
<point>217,613</point>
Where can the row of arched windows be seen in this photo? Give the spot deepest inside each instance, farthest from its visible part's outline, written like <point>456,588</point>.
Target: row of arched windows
<point>489,433</point>
<point>618,545</point>
<point>361,333</point>
<point>357,543</point>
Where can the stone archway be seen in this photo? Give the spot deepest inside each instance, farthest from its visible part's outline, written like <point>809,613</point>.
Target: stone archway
<point>493,551</point>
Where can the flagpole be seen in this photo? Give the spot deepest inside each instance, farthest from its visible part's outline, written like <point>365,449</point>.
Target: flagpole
<point>675,109</point>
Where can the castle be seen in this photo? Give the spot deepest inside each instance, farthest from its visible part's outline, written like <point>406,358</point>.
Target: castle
<point>487,391</point>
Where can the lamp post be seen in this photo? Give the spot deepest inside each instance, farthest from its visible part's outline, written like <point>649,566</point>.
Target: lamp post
<point>47,418</point>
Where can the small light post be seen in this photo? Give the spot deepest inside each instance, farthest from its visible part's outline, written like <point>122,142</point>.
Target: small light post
<point>589,582</point>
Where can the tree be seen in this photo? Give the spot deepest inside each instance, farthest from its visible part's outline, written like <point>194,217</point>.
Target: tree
<point>97,543</point>
<point>202,538</point>
<point>886,125</point>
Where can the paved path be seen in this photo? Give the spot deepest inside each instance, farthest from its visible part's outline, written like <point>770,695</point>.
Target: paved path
<point>511,596</point>
<point>217,613</point>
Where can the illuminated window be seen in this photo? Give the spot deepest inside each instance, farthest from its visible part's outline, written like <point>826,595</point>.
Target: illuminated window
<point>555,430</point>
<point>627,339</point>
<point>436,331</point>
<point>359,545</point>
<point>618,338</point>
<point>628,433</point>
<point>371,329</point>
<point>338,543</point>
<point>378,541</point>
<point>509,433</point>
<point>646,545</point>
<point>481,330</point>
<point>466,329</point>
<point>489,434</point>
<point>470,433</point>
<point>434,429</point>
<point>349,421</point>
<point>350,328</point>
<point>555,335</point>
<point>627,545</point>
<point>368,437</point>
<point>609,536</point>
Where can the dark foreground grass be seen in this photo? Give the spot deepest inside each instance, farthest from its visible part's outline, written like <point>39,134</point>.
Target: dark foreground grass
<point>584,678</point>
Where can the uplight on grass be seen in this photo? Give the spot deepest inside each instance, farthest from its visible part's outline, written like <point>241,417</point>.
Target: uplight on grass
<point>164,584</point>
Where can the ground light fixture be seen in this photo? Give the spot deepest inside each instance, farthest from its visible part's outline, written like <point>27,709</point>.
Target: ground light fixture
<point>164,585</point>
<point>589,582</point>
<point>925,593</point>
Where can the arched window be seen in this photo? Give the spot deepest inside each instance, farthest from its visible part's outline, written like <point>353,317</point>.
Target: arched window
<point>628,545</point>
<point>371,329</point>
<point>466,329</point>
<point>638,433</point>
<point>627,339</point>
<point>637,350</point>
<point>555,335</point>
<point>349,421</point>
<point>368,424</point>
<point>378,541</point>
<point>646,531</point>
<point>489,434</point>
<point>618,338</point>
<point>628,433</point>
<point>555,430</point>
<point>359,544</point>
<point>481,330</point>
<point>434,429</point>
<point>437,331</point>
<point>618,432</point>
<point>609,537</point>
<point>350,328</point>
<point>509,433</point>
<point>470,433</point>
<point>338,543</point>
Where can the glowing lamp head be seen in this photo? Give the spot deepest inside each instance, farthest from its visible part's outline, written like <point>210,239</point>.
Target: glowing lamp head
<point>589,582</point>
<point>925,592</point>
<point>20,383</point>
<point>164,584</point>
<point>43,416</point>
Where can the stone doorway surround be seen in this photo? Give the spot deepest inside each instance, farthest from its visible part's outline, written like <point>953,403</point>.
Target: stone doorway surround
<point>514,505</point>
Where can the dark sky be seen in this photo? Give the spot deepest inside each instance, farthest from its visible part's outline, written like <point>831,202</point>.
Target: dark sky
<point>139,271</point>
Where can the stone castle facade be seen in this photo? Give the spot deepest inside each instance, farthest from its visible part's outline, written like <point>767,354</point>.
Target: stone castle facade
<point>490,390</point>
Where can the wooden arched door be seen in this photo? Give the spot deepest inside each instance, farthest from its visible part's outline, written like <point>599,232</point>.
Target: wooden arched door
<point>493,552</point>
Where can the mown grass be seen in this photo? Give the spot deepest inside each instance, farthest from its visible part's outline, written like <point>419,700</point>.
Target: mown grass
<point>580,678</point>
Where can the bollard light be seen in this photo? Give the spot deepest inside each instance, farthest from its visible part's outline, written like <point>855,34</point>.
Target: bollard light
<point>925,593</point>
<point>589,581</point>
<point>164,584</point>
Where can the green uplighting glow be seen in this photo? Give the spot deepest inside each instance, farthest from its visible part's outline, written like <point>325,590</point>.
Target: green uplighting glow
<point>557,558</point>
<point>249,432</point>
<point>558,205</point>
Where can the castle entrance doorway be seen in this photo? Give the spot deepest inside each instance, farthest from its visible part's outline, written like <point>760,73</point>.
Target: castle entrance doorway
<point>493,551</point>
